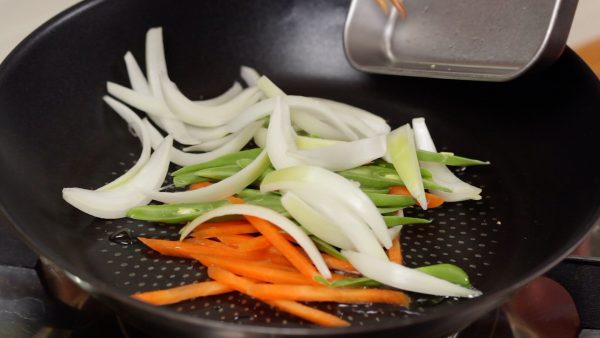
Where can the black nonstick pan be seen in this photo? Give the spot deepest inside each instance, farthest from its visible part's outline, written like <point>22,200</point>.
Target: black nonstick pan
<point>541,193</point>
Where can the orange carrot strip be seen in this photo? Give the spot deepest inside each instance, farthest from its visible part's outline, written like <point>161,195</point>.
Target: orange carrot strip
<point>308,313</point>
<point>256,243</point>
<point>234,240</point>
<point>310,293</point>
<point>220,230</point>
<point>234,200</point>
<point>186,249</point>
<point>257,271</point>
<point>433,201</point>
<point>395,252</point>
<point>292,253</point>
<point>243,285</point>
<point>338,264</point>
<point>181,293</point>
<point>199,185</point>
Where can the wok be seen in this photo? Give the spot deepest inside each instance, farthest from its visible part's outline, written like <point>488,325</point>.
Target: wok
<point>541,193</point>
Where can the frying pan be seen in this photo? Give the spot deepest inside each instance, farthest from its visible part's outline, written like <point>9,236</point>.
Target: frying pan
<point>541,193</point>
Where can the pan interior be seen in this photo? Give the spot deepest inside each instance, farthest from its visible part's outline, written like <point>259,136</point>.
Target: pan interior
<point>541,193</point>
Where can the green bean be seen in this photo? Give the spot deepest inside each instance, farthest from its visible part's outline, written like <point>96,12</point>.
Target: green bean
<point>375,190</point>
<point>218,173</point>
<point>449,272</point>
<point>378,177</point>
<point>327,248</point>
<point>392,221</point>
<point>187,179</point>
<point>221,161</point>
<point>388,200</point>
<point>388,210</point>
<point>173,213</point>
<point>447,158</point>
<point>267,200</point>
<point>354,282</point>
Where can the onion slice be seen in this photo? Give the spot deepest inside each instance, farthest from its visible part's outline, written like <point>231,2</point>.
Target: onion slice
<point>404,278</point>
<point>142,133</point>
<point>441,174</point>
<point>269,215</point>
<point>236,143</point>
<point>249,75</point>
<point>330,183</point>
<point>280,136</point>
<point>206,116</point>
<point>219,190</point>
<point>227,95</point>
<point>344,155</point>
<point>343,217</point>
<point>375,122</point>
<point>315,222</point>
<point>114,203</point>
<point>136,76</point>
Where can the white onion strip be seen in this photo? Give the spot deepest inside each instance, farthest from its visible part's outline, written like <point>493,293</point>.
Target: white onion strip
<point>269,215</point>
<point>343,155</point>
<point>206,116</point>
<point>249,75</point>
<point>136,76</point>
<point>114,203</point>
<point>404,278</point>
<point>219,190</point>
<point>227,95</point>
<point>315,222</point>
<point>441,174</point>
<point>280,136</point>
<point>375,122</point>
<point>344,218</point>
<point>312,125</point>
<point>142,133</point>
<point>181,158</point>
<point>331,183</point>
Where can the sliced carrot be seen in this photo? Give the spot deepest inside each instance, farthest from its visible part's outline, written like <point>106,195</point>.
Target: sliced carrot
<point>186,249</point>
<point>199,185</point>
<point>257,271</point>
<point>234,200</point>
<point>215,230</point>
<point>291,252</point>
<point>256,243</point>
<point>433,201</point>
<point>181,293</point>
<point>305,312</point>
<point>310,293</point>
<point>395,252</point>
<point>338,264</point>
<point>234,240</point>
<point>308,313</point>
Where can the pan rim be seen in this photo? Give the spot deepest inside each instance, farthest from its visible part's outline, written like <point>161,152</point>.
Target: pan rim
<point>101,289</point>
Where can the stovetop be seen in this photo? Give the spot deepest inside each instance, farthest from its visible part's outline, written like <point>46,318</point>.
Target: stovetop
<point>563,303</point>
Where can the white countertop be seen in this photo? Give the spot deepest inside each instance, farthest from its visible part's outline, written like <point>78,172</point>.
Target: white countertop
<point>19,17</point>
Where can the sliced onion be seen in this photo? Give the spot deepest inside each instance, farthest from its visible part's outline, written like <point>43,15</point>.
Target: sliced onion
<point>343,155</point>
<point>210,144</point>
<point>312,125</point>
<point>206,116</point>
<point>280,136</point>
<point>324,114</point>
<point>307,142</point>
<point>395,231</point>
<point>260,138</point>
<point>142,133</point>
<point>269,215</point>
<point>376,123</point>
<point>344,218</point>
<point>229,94</point>
<point>441,174</point>
<point>114,203</point>
<point>148,104</point>
<point>219,190</point>
<point>249,75</point>
<point>155,60</point>
<point>331,183</point>
<point>236,143</point>
<point>403,154</point>
<point>315,222</point>
<point>404,278</point>
<point>136,76</point>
